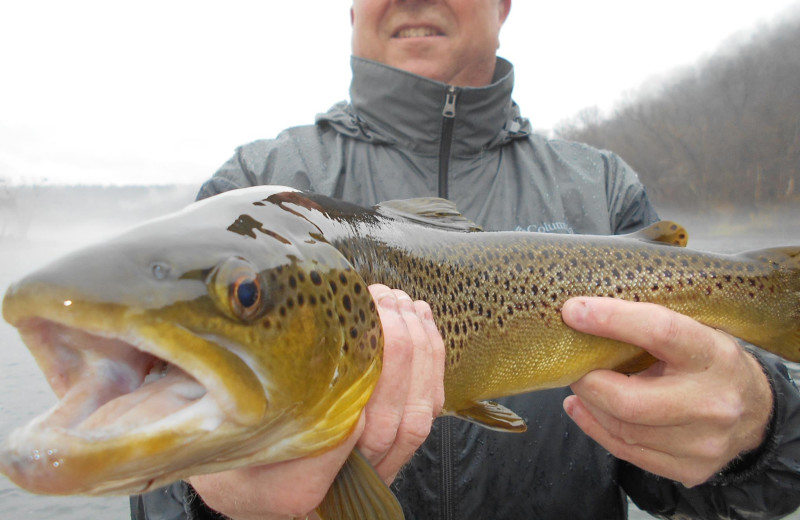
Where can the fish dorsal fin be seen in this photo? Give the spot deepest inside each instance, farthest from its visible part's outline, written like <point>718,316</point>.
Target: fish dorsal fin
<point>358,492</point>
<point>491,415</point>
<point>664,232</point>
<point>428,211</point>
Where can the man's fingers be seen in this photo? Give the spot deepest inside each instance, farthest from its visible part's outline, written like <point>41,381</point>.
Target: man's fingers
<point>437,355</point>
<point>631,398</point>
<point>384,410</point>
<point>689,471</point>
<point>667,335</point>
<point>401,411</point>
<point>417,414</point>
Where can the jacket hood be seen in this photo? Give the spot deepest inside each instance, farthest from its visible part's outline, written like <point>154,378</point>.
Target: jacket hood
<point>392,106</point>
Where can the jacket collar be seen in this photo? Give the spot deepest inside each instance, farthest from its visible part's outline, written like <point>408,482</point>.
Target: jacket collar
<point>394,106</point>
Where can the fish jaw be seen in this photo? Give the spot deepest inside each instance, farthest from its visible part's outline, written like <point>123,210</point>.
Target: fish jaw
<point>131,413</point>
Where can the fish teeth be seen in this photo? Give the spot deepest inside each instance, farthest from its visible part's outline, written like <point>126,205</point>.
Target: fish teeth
<point>158,371</point>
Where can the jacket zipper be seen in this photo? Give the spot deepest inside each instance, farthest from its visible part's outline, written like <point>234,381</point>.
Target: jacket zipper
<point>445,146</point>
<point>446,498</point>
<point>446,138</point>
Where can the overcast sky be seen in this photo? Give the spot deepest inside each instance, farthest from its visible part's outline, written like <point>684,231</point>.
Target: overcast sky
<point>115,92</point>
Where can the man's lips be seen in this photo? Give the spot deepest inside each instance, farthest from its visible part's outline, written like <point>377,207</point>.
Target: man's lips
<point>417,32</point>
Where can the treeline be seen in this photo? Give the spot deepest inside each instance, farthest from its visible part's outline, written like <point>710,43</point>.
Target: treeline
<point>726,131</point>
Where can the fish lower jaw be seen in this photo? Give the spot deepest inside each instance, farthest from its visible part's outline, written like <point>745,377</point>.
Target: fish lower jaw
<point>117,403</point>
<point>47,459</point>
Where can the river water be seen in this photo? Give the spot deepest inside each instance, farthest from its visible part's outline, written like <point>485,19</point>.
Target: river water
<point>24,392</point>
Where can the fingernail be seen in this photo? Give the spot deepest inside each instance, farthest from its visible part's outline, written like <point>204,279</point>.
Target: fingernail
<point>406,304</point>
<point>387,301</point>
<point>577,310</point>
<point>569,406</point>
<point>424,312</point>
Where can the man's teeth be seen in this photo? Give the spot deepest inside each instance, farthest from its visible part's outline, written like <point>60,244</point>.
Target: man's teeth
<point>417,32</point>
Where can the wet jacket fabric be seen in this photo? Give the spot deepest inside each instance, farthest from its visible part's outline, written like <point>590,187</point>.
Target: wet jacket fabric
<point>394,139</point>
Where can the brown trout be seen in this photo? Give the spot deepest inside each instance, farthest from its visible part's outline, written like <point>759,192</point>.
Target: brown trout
<point>240,331</point>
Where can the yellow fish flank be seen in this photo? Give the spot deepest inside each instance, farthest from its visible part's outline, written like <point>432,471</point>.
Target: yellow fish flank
<point>240,331</point>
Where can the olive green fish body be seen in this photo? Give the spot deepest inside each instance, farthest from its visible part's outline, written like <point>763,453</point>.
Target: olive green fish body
<point>497,297</point>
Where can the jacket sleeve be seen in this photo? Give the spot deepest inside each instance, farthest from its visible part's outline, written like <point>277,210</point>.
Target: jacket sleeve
<point>629,207</point>
<point>304,157</point>
<point>763,484</point>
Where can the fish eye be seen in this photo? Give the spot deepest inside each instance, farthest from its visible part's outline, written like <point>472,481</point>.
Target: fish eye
<point>245,295</point>
<point>237,289</point>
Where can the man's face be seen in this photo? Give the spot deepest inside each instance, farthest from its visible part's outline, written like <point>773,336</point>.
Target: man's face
<point>452,41</point>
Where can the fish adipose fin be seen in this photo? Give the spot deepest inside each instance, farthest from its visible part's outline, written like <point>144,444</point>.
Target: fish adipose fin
<point>664,232</point>
<point>491,415</point>
<point>428,211</point>
<point>358,492</point>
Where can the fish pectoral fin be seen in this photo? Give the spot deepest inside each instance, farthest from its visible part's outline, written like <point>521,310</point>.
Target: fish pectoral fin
<point>664,232</point>
<point>428,211</point>
<point>358,492</point>
<point>491,415</point>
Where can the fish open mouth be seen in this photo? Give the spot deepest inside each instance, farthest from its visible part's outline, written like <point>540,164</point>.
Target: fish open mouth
<point>106,386</point>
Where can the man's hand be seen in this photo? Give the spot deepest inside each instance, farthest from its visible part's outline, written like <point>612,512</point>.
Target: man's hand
<point>396,420</point>
<point>704,402</point>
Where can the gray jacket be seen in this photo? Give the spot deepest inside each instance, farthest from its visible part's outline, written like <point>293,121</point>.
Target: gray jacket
<point>406,136</point>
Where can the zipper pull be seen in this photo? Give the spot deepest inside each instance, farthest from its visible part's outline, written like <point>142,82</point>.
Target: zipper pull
<point>450,103</point>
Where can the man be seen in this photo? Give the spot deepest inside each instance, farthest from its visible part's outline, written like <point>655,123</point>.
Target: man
<point>709,431</point>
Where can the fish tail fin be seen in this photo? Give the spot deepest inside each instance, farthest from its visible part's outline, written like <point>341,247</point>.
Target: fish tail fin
<point>358,492</point>
<point>786,259</point>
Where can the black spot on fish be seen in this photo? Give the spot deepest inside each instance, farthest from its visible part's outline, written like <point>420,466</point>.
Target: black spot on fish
<point>342,278</point>
<point>316,279</point>
<point>292,282</point>
<point>346,302</point>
